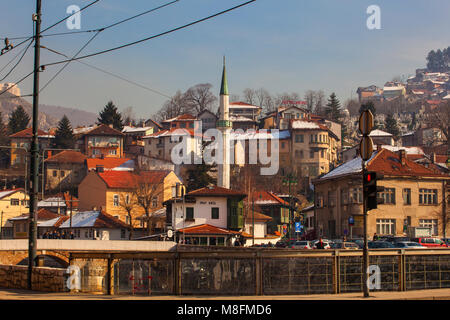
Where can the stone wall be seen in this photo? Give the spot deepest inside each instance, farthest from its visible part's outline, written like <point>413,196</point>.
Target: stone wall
<point>43,279</point>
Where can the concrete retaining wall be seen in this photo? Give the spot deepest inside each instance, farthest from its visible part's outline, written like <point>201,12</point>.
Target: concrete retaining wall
<point>43,279</point>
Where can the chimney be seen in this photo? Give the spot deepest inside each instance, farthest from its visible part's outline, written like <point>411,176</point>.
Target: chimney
<point>379,147</point>
<point>402,156</point>
<point>100,168</point>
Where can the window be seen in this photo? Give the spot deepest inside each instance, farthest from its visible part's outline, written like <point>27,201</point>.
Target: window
<point>62,173</point>
<point>116,200</point>
<point>55,173</point>
<point>122,233</point>
<point>388,195</point>
<point>24,203</point>
<point>127,220</point>
<point>407,196</point>
<point>356,195</point>
<point>344,196</point>
<point>299,138</point>
<point>127,199</point>
<point>319,201</point>
<point>214,213</point>
<point>427,196</point>
<point>91,233</point>
<point>182,125</point>
<point>189,213</point>
<point>311,154</point>
<point>386,226</point>
<point>283,144</point>
<point>430,223</point>
<point>14,202</point>
<point>154,202</point>
<point>322,154</point>
<point>332,198</point>
<point>113,152</point>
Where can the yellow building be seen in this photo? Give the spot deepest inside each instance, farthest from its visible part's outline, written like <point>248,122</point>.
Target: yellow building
<point>114,191</point>
<point>13,203</point>
<point>21,142</point>
<point>413,197</point>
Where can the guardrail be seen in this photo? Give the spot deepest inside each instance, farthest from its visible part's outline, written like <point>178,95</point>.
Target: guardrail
<point>259,271</point>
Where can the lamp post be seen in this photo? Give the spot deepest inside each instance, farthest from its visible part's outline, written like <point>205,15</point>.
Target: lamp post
<point>289,180</point>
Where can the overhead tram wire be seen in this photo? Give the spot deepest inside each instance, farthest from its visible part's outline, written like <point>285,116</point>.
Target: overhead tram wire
<point>64,66</point>
<point>17,63</point>
<point>103,28</point>
<point>111,74</point>
<point>53,25</point>
<point>15,57</point>
<point>154,36</point>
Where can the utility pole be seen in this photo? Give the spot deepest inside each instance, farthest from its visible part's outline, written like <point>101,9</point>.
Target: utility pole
<point>34,168</point>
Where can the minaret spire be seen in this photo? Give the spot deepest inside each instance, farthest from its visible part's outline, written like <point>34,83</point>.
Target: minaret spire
<point>224,85</point>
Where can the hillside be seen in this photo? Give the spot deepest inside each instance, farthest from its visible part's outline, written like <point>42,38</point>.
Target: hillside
<point>48,115</point>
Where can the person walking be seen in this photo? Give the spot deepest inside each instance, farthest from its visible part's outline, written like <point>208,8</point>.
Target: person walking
<point>375,237</point>
<point>320,244</point>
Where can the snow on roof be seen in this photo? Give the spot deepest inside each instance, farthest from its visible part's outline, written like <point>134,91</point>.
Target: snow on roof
<point>82,129</point>
<point>394,88</point>
<point>352,166</point>
<point>48,223</point>
<point>82,219</point>
<point>6,193</point>
<point>241,119</point>
<point>253,134</point>
<point>128,129</point>
<point>408,150</point>
<point>379,133</point>
<point>301,124</point>
<point>242,105</point>
<point>52,202</point>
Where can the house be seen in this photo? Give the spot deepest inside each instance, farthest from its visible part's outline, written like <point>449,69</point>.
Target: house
<point>133,143</point>
<point>105,164</point>
<point>155,125</point>
<point>20,224</point>
<point>64,170</point>
<point>96,225</point>
<point>214,213</point>
<point>281,118</point>
<point>315,148</point>
<point>160,144</point>
<point>64,204</point>
<point>412,197</point>
<point>242,109</point>
<point>101,141</point>
<point>184,121</point>
<point>22,141</point>
<point>308,223</point>
<point>272,206</point>
<point>115,191</point>
<point>257,222</point>
<point>368,93</point>
<point>208,119</point>
<point>13,203</point>
<point>381,137</point>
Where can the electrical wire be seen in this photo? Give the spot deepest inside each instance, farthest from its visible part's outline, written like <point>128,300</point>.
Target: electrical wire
<point>111,74</point>
<point>154,36</point>
<point>64,66</point>
<point>18,54</point>
<point>15,84</point>
<point>17,63</point>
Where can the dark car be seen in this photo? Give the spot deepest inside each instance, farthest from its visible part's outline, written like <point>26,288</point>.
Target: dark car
<point>281,244</point>
<point>380,245</point>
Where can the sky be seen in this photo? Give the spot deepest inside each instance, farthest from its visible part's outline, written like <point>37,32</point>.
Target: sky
<point>279,45</point>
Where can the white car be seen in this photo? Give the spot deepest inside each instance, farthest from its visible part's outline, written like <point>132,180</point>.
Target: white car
<point>325,242</point>
<point>302,244</point>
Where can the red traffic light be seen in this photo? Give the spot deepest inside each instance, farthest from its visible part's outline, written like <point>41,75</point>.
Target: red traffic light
<point>369,177</point>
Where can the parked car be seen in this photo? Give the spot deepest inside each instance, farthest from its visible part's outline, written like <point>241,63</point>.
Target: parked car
<point>359,242</point>
<point>281,244</point>
<point>380,245</point>
<point>325,242</point>
<point>430,242</point>
<point>446,240</point>
<point>393,238</point>
<point>408,245</point>
<point>346,245</point>
<point>302,244</point>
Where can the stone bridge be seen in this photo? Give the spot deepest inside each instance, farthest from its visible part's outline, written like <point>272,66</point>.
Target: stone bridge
<point>56,252</point>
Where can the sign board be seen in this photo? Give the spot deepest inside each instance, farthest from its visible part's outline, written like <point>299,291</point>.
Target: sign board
<point>366,148</point>
<point>298,227</point>
<point>359,221</point>
<point>351,221</point>
<point>366,122</point>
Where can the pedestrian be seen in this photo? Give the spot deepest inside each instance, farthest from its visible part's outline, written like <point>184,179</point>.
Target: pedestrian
<point>71,235</point>
<point>320,244</point>
<point>375,237</point>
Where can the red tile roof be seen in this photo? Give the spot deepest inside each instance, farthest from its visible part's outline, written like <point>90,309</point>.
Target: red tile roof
<point>258,217</point>
<point>183,117</point>
<point>207,229</point>
<point>105,220</point>
<point>28,133</point>
<point>68,156</point>
<point>42,215</point>
<point>104,130</point>
<point>388,163</point>
<point>107,163</point>
<point>127,179</point>
<point>265,197</point>
<point>215,191</point>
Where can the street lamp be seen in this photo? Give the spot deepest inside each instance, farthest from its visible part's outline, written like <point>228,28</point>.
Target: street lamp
<point>289,180</point>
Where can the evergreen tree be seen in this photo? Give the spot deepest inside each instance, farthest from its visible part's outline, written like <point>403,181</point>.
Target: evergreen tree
<point>18,120</point>
<point>110,115</point>
<point>198,175</point>
<point>4,141</point>
<point>64,138</point>
<point>368,106</point>
<point>413,123</point>
<point>333,108</point>
<point>391,126</point>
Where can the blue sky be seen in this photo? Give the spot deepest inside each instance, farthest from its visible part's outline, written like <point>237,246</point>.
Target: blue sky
<point>283,46</point>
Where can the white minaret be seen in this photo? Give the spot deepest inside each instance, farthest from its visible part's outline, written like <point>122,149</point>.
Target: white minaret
<point>224,125</point>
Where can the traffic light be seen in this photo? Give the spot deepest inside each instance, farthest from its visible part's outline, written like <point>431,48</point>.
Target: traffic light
<point>371,190</point>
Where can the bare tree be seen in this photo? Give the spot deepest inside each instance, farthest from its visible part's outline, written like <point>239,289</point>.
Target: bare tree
<point>128,202</point>
<point>172,108</point>
<point>310,98</point>
<point>129,117</point>
<point>319,101</point>
<point>249,95</point>
<point>439,118</point>
<point>145,194</point>
<point>199,98</point>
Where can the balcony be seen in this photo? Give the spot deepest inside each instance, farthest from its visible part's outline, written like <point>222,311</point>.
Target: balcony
<point>319,144</point>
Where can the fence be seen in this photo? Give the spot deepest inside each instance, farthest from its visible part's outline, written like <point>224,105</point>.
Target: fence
<point>259,271</point>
